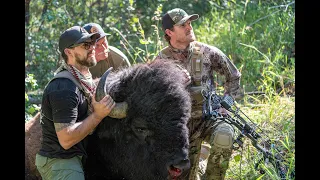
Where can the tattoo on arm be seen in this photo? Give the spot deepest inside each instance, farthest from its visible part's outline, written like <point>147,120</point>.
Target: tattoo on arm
<point>60,126</point>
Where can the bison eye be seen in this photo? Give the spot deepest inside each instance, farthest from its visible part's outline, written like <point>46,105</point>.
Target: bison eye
<point>140,130</point>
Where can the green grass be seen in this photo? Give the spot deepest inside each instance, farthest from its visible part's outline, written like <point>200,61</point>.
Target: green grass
<point>258,36</point>
<point>276,118</point>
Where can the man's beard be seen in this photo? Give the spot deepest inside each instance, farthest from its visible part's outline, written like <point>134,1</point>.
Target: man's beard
<point>192,38</point>
<point>188,38</point>
<point>86,61</point>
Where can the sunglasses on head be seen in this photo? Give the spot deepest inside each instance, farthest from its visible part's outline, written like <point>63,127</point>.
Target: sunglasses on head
<point>86,45</point>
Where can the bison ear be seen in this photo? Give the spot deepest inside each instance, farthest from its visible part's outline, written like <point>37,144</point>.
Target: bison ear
<point>101,88</point>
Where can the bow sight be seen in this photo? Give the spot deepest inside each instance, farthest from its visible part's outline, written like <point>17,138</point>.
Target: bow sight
<point>271,153</point>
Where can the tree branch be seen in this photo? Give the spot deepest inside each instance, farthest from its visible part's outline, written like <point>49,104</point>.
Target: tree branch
<point>44,11</point>
<point>26,10</point>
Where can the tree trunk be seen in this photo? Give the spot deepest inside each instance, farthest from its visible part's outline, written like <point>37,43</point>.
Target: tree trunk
<point>26,12</point>
<point>44,11</point>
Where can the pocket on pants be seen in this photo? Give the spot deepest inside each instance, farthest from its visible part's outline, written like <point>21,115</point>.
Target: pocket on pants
<point>41,160</point>
<point>71,168</point>
<point>68,164</point>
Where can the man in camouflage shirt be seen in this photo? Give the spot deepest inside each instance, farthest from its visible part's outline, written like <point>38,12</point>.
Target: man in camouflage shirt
<point>200,60</point>
<point>107,56</point>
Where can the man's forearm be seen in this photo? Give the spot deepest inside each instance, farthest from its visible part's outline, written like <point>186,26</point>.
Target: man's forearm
<point>70,134</point>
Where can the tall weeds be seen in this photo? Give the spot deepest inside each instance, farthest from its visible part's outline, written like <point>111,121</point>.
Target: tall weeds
<point>258,36</point>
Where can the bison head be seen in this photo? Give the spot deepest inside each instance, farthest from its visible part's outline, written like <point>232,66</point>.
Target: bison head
<point>147,135</point>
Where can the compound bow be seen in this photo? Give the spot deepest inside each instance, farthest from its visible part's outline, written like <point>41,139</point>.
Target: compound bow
<point>271,153</point>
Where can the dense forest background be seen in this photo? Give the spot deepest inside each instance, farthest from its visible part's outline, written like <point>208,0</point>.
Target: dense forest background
<point>257,35</point>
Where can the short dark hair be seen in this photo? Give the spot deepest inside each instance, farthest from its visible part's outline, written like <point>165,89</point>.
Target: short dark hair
<point>166,36</point>
<point>64,57</point>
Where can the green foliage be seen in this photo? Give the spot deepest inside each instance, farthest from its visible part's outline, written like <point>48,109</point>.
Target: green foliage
<point>257,35</point>
<point>30,109</point>
<point>30,82</point>
<point>144,49</point>
<point>276,117</point>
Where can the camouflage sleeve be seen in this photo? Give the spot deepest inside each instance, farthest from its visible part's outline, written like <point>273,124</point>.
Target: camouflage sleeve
<point>216,60</point>
<point>163,54</point>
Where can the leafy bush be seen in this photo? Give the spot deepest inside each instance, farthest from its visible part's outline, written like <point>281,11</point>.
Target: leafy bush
<point>257,35</point>
<point>30,109</point>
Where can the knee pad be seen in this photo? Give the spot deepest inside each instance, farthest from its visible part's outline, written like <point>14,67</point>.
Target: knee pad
<point>223,136</point>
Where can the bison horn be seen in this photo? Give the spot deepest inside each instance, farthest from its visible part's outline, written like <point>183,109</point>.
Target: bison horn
<point>120,109</point>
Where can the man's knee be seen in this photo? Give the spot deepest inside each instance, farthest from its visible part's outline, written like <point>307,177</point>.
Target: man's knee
<point>222,136</point>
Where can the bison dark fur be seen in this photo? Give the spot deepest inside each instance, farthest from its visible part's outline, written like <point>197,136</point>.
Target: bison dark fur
<point>149,142</point>
<point>153,139</point>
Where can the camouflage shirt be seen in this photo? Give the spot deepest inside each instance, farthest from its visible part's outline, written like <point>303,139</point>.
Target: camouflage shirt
<point>213,59</point>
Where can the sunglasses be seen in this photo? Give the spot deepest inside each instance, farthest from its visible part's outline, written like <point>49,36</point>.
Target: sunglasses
<point>86,45</point>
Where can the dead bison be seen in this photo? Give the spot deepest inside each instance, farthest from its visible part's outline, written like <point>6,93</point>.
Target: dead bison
<point>147,136</point>
<point>151,141</point>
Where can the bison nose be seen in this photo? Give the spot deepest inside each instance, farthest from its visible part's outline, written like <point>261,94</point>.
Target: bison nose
<point>178,167</point>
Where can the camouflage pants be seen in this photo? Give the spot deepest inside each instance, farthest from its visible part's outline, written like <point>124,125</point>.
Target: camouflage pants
<point>218,160</point>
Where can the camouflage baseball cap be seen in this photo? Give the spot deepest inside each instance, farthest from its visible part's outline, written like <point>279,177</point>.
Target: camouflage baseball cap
<point>176,16</point>
<point>93,28</point>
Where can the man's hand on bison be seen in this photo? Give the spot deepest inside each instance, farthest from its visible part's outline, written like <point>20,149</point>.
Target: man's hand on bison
<point>188,77</point>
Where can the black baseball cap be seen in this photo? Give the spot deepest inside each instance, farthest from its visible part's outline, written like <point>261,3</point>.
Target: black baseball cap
<point>95,28</point>
<point>75,35</point>
<point>176,16</point>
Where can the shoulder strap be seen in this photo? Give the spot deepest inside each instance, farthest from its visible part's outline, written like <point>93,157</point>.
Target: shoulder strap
<point>68,75</point>
<point>196,63</point>
<point>63,74</point>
